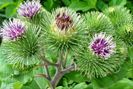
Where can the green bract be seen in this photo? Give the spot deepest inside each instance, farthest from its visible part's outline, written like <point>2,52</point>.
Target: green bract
<point>97,22</point>
<point>24,51</point>
<point>63,30</point>
<point>118,15</point>
<point>125,32</point>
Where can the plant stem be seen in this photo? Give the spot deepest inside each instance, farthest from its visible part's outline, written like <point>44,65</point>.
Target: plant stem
<point>60,70</point>
<point>59,74</point>
<point>47,71</point>
<point>43,58</point>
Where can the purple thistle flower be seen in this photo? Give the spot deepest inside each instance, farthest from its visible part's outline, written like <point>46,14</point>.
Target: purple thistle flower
<point>102,45</point>
<point>29,8</point>
<point>13,29</point>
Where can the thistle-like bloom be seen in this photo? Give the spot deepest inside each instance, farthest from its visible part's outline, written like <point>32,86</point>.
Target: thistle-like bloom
<point>29,8</point>
<point>63,29</point>
<point>102,45</point>
<point>13,29</point>
<point>65,20</point>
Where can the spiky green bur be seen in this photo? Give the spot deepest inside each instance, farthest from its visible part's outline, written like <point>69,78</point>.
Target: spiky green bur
<point>122,21</point>
<point>24,51</point>
<point>118,15</point>
<point>125,32</point>
<point>97,22</point>
<point>63,30</point>
<point>100,61</point>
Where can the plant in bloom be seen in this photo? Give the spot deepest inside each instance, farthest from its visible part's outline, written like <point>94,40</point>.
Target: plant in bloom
<point>12,29</point>
<point>29,8</point>
<point>102,57</point>
<point>102,45</point>
<point>63,30</point>
<point>65,20</point>
<point>59,40</point>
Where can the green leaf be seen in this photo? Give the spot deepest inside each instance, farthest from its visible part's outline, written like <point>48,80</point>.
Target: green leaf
<point>24,78</point>
<point>123,84</point>
<point>118,2</point>
<point>130,53</point>
<point>107,81</point>
<point>5,3</point>
<point>0,82</point>
<point>130,72</point>
<point>33,85</point>
<point>59,87</point>
<point>40,81</point>
<point>81,86</point>
<point>6,86</point>
<point>14,85</point>
<point>49,4</point>
<point>66,2</point>
<point>91,3</point>
<point>76,77</point>
<point>5,71</point>
<point>85,5</point>
<point>10,10</point>
<point>102,5</point>
<point>17,85</point>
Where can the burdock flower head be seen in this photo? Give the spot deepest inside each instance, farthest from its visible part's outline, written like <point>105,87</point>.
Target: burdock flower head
<point>23,52</point>
<point>103,56</point>
<point>12,29</point>
<point>63,29</point>
<point>29,8</point>
<point>102,45</point>
<point>65,21</point>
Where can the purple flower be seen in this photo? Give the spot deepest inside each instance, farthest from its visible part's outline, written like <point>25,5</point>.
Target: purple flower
<point>29,8</point>
<point>13,29</point>
<point>102,45</point>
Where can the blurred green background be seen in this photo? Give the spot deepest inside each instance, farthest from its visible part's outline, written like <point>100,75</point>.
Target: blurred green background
<point>8,8</point>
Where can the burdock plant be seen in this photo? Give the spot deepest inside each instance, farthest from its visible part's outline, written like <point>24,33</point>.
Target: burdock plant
<point>94,43</point>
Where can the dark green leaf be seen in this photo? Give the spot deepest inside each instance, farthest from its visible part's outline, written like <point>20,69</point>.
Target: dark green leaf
<point>49,4</point>
<point>130,53</point>
<point>123,84</point>
<point>66,2</point>
<point>118,2</point>
<point>102,5</point>
<point>76,77</point>
<point>107,81</point>
<point>10,10</point>
<point>81,86</point>
<point>83,5</point>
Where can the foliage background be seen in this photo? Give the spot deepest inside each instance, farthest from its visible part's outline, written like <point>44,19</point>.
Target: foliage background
<point>8,7</point>
<point>74,80</point>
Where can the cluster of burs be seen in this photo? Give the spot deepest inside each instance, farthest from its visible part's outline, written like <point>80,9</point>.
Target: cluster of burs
<point>99,42</point>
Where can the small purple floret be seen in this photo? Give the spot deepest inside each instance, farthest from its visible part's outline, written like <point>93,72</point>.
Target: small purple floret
<point>29,8</point>
<point>13,29</point>
<point>102,45</point>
